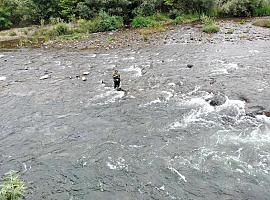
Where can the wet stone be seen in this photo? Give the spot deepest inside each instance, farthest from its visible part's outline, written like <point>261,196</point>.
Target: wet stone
<point>217,100</point>
<point>190,66</point>
<point>84,78</point>
<point>86,73</point>
<point>44,77</point>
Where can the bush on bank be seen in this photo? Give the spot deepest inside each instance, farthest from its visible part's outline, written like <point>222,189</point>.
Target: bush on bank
<point>210,25</point>
<point>17,13</point>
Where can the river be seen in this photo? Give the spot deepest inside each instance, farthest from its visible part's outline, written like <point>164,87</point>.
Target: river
<point>158,139</point>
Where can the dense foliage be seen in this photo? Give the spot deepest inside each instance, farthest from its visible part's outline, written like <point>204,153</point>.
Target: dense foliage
<point>26,12</point>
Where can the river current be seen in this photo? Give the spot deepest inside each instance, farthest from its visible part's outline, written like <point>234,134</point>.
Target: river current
<point>158,139</point>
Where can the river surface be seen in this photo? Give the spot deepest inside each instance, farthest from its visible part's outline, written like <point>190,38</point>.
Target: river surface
<point>159,139</point>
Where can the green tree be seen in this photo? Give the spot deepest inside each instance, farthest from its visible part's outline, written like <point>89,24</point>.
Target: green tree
<point>194,6</point>
<point>47,9</point>
<point>240,8</point>
<point>68,8</point>
<point>5,21</point>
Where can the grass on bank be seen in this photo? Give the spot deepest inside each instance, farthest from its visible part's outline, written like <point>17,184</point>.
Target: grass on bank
<point>262,11</point>
<point>262,23</point>
<point>155,20</point>
<point>209,25</point>
<point>187,19</point>
<point>13,187</point>
<point>78,30</point>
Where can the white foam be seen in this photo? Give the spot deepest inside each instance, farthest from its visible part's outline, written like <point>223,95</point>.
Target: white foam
<point>263,86</point>
<point>3,78</point>
<point>111,166</point>
<point>107,97</point>
<point>1,55</point>
<point>168,96</point>
<point>95,55</point>
<point>231,66</point>
<point>219,72</point>
<point>224,69</point>
<point>23,94</point>
<point>135,146</point>
<point>259,136</point>
<point>196,89</point>
<point>129,58</point>
<point>117,164</point>
<point>263,118</point>
<point>58,63</point>
<point>253,52</point>
<point>172,84</point>
<point>137,70</point>
<point>151,103</point>
<point>234,108</point>
<point>119,95</point>
<point>196,102</point>
<point>178,173</point>
<point>175,125</point>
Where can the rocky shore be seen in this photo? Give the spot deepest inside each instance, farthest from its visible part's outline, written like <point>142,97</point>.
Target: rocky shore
<point>231,30</point>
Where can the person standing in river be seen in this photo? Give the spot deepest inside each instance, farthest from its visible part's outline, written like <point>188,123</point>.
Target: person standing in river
<point>116,79</point>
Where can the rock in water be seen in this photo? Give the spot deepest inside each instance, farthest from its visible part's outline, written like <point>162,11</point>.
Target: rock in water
<point>252,111</point>
<point>44,77</point>
<point>267,114</point>
<point>190,66</point>
<point>217,100</point>
<point>86,73</point>
<point>84,78</point>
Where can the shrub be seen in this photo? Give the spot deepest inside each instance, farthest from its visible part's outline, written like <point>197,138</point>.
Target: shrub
<point>5,21</point>
<point>25,32</point>
<point>147,8</point>
<point>13,33</point>
<point>140,21</point>
<point>61,29</point>
<point>150,21</point>
<point>105,22</point>
<point>263,11</point>
<point>211,28</point>
<point>194,6</point>
<point>262,23</point>
<point>210,25</point>
<point>240,8</point>
<point>13,187</point>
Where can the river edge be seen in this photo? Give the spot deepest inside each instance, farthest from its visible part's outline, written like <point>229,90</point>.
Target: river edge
<point>231,30</point>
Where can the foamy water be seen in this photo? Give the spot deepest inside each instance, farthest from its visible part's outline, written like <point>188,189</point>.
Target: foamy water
<point>135,70</point>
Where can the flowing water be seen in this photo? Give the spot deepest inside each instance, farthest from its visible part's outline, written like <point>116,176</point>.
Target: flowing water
<point>158,139</point>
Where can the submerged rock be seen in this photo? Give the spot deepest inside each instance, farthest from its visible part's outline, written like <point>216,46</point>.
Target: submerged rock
<point>217,100</point>
<point>257,110</point>
<point>190,66</point>
<point>244,98</point>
